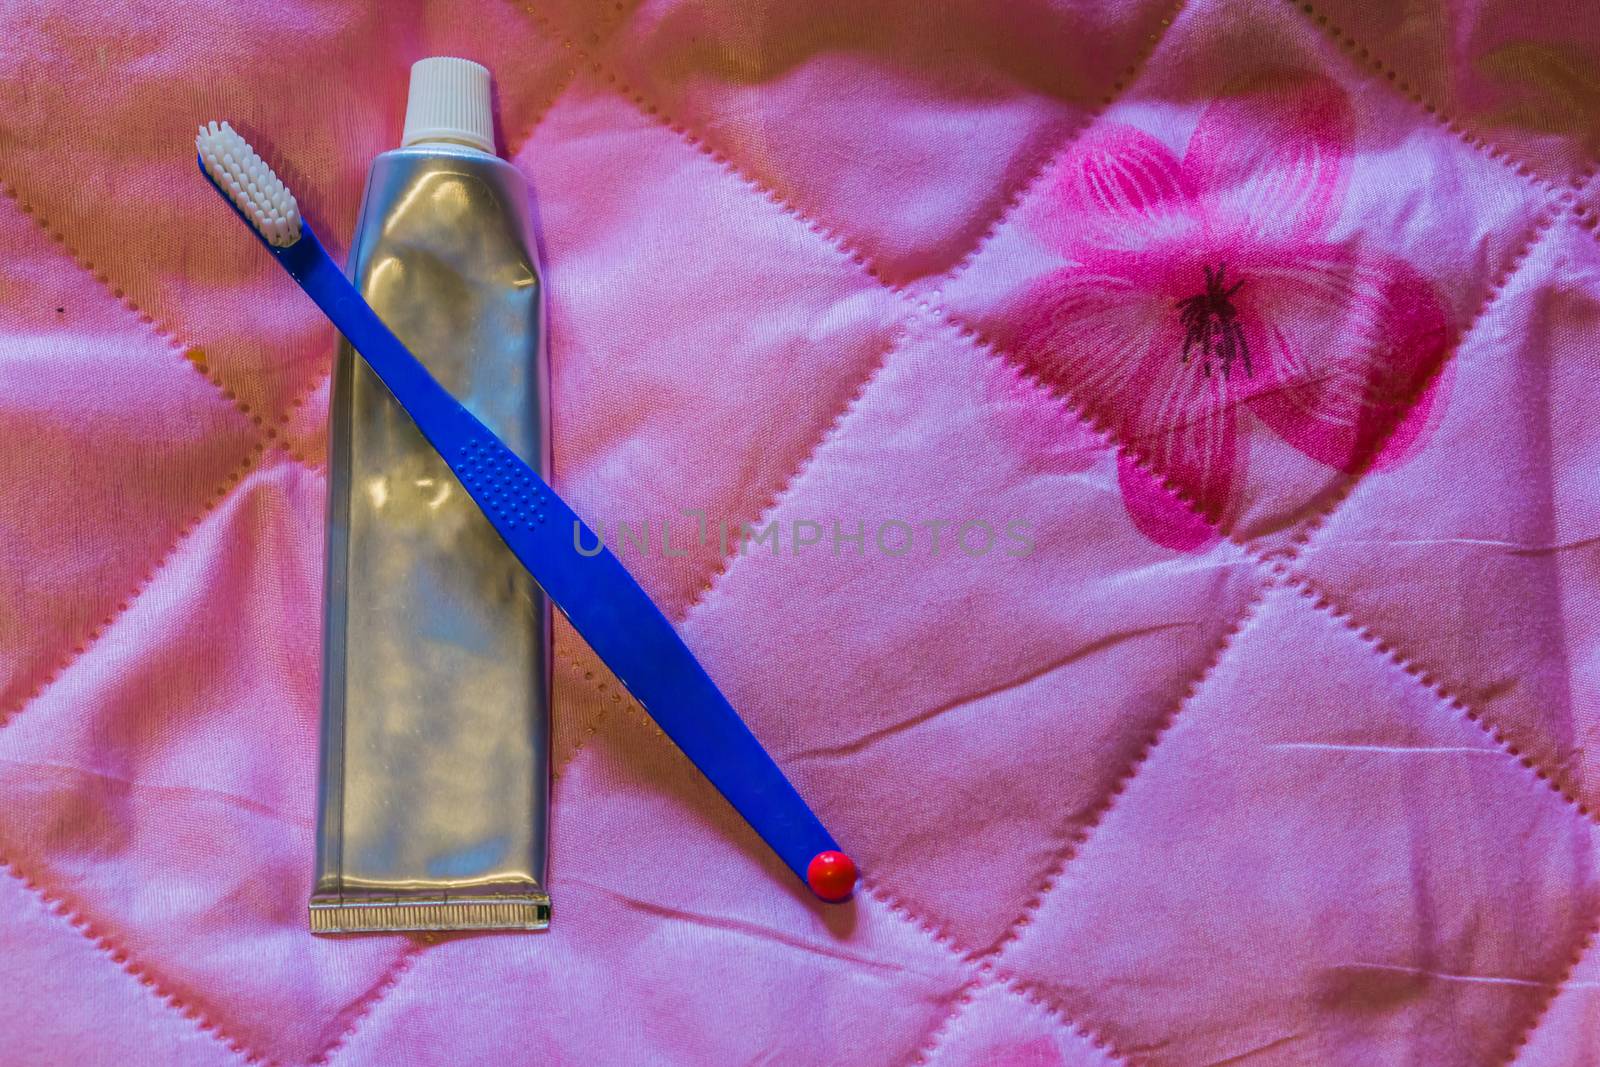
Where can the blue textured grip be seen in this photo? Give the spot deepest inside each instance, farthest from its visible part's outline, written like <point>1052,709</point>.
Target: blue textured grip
<point>627,631</point>
<point>605,605</point>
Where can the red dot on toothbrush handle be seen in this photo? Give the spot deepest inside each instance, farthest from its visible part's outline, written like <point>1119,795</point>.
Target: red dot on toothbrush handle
<point>832,876</point>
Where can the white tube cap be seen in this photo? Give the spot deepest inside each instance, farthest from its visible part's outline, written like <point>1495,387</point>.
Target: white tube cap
<point>449,102</point>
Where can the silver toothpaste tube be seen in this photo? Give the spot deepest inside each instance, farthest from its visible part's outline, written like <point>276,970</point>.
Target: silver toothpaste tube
<point>434,792</point>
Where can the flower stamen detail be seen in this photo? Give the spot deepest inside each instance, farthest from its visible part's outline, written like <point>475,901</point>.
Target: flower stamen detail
<point>1211,325</point>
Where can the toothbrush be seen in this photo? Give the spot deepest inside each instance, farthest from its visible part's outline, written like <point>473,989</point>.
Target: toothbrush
<point>605,604</point>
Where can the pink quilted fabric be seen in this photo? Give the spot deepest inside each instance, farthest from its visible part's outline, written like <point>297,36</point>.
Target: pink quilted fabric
<point>1276,323</point>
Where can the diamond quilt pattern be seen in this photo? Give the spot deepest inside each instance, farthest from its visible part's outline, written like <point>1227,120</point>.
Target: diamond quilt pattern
<point>1272,324</point>
<point>1358,282</point>
<point>1520,81</point>
<point>1499,581</point>
<point>643,920</point>
<point>801,344</point>
<point>148,439</point>
<point>998,1025</point>
<point>1570,1031</point>
<point>1287,940</point>
<point>899,758</point>
<point>58,988</point>
<point>131,798</point>
<point>851,111</point>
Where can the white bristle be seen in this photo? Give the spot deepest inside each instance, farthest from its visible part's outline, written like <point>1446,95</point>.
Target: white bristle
<point>249,183</point>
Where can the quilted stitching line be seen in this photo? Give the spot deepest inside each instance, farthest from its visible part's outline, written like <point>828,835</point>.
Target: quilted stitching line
<point>1386,649</point>
<point>190,353</point>
<point>1583,177</point>
<point>57,904</point>
<point>1079,411</point>
<point>936,934</point>
<point>562,85</point>
<point>1079,837</point>
<point>1543,1013</point>
<point>826,234</point>
<point>1128,76</point>
<point>617,697</point>
<point>1277,572</point>
<point>1356,50</point>
<point>1587,220</point>
<point>829,237</point>
<point>905,914</point>
<point>1590,175</point>
<point>603,28</point>
<point>212,503</point>
<point>270,433</point>
<point>844,246</point>
<point>1103,428</point>
<point>386,985</point>
<point>831,433</point>
<point>1038,998</point>
<point>936,1036</point>
<point>984,976</point>
<point>269,438</point>
<point>1276,560</point>
<point>557,773</point>
<point>967,330</point>
<point>1025,991</point>
<point>1541,226</point>
<point>1585,216</point>
<point>370,1000</point>
<point>933,930</point>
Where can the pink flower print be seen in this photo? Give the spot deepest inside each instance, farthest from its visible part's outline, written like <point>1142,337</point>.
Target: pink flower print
<point>1203,292</point>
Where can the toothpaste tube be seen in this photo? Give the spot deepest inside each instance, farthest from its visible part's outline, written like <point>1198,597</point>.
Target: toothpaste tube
<point>434,791</point>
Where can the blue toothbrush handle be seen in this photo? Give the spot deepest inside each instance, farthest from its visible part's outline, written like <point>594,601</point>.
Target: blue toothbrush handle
<point>607,607</point>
